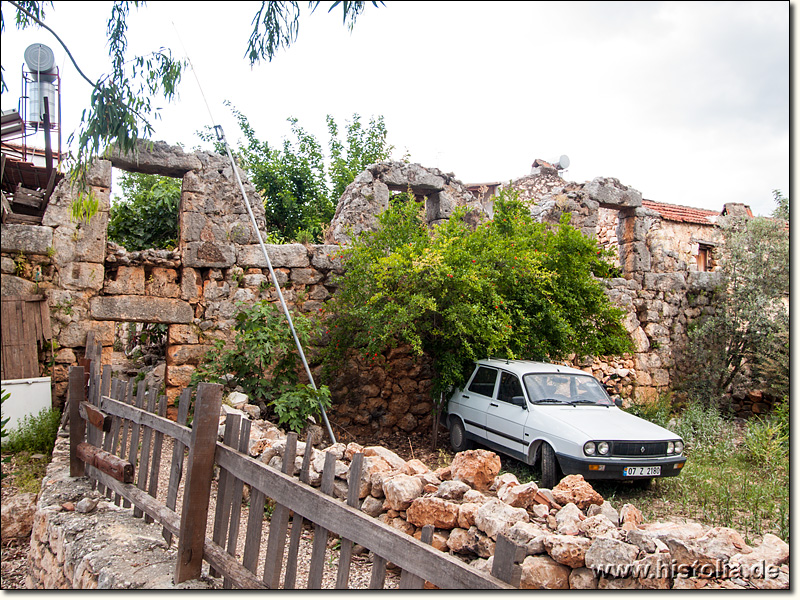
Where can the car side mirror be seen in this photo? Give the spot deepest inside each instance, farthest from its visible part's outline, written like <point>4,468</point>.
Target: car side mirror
<point>519,401</point>
<point>617,401</point>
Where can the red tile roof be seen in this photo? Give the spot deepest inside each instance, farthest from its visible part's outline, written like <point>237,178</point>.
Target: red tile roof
<point>682,214</point>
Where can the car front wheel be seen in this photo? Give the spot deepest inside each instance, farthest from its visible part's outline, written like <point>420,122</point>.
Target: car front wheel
<point>551,473</point>
<point>458,437</point>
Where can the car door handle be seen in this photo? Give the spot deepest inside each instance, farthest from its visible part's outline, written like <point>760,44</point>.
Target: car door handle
<point>492,404</point>
<point>465,396</point>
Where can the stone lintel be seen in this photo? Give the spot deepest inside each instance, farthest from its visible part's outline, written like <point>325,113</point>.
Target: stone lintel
<point>140,309</point>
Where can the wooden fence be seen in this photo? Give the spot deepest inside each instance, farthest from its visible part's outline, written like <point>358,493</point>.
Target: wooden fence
<point>117,432</point>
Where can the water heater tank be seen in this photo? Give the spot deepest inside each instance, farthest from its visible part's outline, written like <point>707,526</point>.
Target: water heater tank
<point>41,63</point>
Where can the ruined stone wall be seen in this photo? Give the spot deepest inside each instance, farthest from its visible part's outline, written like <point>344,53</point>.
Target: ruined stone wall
<point>660,290</point>
<point>92,284</point>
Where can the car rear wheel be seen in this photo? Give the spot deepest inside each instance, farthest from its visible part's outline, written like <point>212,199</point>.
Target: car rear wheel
<point>551,473</point>
<point>458,437</point>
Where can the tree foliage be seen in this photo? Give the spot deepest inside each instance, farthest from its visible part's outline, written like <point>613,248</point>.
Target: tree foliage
<point>509,288</point>
<point>748,330</point>
<point>147,214</point>
<point>263,361</point>
<point>363,146</point>
<point>300,194</point>
<point>122,104</point>
<point>782,209</point>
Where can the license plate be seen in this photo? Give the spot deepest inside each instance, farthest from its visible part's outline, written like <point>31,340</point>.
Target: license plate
<point>641,471</point>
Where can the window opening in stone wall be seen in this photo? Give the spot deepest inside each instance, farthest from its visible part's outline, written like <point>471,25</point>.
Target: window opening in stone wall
<point>704,258</point>
<point>140,349</point>
<point>144,211</point>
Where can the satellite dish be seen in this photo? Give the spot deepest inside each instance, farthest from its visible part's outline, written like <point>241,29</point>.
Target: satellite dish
<point>39,58</point>
<point>563,162</point>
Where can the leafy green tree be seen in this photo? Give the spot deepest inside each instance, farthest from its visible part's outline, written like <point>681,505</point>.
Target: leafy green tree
<point>510,288</point>
<point>750,325</point>
<point>263,360</point>
<point>122,107</point>
<point>363,147</point>
<point>782,209</point>
<point>300,194</point>
<point>147,214</point>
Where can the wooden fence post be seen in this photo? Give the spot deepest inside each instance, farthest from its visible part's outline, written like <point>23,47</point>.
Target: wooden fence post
<point>77,426</point>
<point>199,473</point>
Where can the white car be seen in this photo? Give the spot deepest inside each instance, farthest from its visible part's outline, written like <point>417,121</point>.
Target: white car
<point>560,418</point>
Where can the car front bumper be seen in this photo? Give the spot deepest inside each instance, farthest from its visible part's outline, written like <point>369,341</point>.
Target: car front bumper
<point>613,468</point>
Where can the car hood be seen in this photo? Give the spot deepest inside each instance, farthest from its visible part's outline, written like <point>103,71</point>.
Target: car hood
<point>608,423</point>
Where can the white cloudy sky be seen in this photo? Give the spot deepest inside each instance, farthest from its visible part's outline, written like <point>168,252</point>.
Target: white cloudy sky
<point>687,102</point>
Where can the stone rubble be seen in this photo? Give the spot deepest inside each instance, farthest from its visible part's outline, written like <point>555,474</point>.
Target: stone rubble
<point>585,544</point>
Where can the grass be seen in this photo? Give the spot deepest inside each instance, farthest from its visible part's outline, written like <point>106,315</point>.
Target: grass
<point>24,472</point>
<point>27,449</point>
<point>732,478</point>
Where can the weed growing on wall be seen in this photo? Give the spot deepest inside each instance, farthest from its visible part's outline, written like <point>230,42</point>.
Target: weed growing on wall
<point>263,361</point>
<point>510,287</point>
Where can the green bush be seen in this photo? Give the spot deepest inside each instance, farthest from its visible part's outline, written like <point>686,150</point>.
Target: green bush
<point>34,433</point>
<point>700,426</point>
<point>263,361</point>
<point>509,287</point>
<point>147,214</point>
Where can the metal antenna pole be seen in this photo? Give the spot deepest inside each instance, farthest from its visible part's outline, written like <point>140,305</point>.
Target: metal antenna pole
<point>221,138</point>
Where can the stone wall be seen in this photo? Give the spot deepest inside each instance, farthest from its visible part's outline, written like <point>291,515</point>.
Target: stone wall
<point>92,285</point>
<point>80,541</point>
<point>660,290</point>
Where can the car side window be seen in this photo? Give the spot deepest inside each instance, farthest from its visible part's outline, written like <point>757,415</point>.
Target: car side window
<point>483,382</point>
<point>509,387</point>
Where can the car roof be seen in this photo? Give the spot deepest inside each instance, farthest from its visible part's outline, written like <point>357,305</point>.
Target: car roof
<point>523,367</point>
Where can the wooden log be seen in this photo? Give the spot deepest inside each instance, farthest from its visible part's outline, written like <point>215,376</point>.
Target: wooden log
<point>279,523</point>
<point>236,505</point>
<point>178,448</point>
<point>200,471</point>
<point>409,581</point>
<point>155,466</point>
<point>94,416</point>
<point>317,564</point>
<point>118,468</point>
<point>506,556</point>
<point>409,554</point>
<point>144,462</point>
<point>346,548</point>
<point>215,555</point>
<point>290,577</point>
<point>222,513</point>
<point>77,426</point>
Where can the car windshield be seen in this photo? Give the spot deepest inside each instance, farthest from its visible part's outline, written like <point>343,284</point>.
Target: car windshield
<point>560,388</point>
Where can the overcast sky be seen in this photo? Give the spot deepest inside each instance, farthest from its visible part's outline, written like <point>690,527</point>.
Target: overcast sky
<point>686,102</point>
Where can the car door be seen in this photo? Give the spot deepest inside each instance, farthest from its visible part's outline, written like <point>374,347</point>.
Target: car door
<point>475,400</point>
<point>505,418</point>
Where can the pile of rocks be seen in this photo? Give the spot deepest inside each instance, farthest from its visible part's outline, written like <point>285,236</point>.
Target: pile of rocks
<point>573,538</point>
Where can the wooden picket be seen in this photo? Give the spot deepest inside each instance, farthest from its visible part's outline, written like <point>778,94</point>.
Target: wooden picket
<point>127,428</point>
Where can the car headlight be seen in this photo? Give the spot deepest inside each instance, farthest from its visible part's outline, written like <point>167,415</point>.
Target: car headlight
<point>670,447</point>
<point>603,448</point>
<point>678,447</point>
<point>589,448</point>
